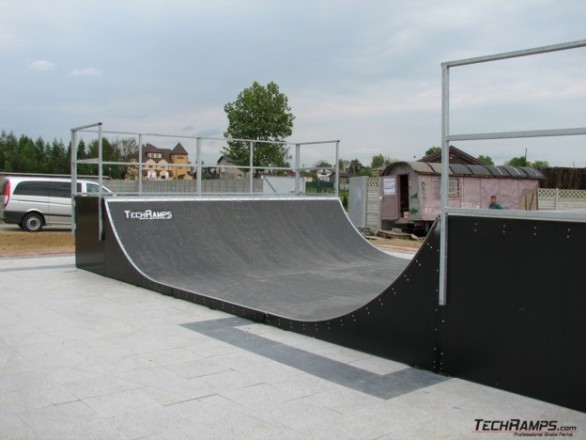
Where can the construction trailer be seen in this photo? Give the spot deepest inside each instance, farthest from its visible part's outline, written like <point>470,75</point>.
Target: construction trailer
<point>410,191</point>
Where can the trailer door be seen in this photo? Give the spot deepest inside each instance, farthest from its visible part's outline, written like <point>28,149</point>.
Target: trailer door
<point>390,198</point>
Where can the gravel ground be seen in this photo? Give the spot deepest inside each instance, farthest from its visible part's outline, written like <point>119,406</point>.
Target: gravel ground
<point>16,242</point>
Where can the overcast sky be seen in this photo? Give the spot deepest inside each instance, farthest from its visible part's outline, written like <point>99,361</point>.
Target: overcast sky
<point>366,72</point>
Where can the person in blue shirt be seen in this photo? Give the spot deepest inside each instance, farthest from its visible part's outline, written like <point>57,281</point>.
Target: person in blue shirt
<point>494,204</point>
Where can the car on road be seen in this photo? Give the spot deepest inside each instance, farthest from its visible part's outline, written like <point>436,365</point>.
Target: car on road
<point>36,202</point>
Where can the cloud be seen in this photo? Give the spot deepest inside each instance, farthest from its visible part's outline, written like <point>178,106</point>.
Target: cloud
<point>42,65</point>
<point>88,71</point>
<point>367,75</point>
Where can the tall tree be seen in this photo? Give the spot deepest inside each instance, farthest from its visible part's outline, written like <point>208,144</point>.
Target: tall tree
<point>57,158</point>
<point>82,153</point>
<point>323,164</point>
<point>127,149</point>
<point>486,160</point>
<point>28,157</point>
<point>380,161</point>
<point>520,161</point>
<point>110,153</point>
<point>355,168</point>
<point>540,164</point>
<point>8,147</point>
<point>259,113</point>
<point>433,150</point>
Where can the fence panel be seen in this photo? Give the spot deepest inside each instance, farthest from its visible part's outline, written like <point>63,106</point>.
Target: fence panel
<point>211,186</point>
<point>561,199</point>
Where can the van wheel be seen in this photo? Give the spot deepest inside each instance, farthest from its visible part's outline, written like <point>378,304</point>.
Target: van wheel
<point>32,222</point>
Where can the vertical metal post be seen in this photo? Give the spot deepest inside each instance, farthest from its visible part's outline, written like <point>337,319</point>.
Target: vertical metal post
<point>139,176</point>
<point>337,167</point>
<point>73,176</point>
<point>445,186</point>
<point>100,183</point>
<point>73,170</point>
<point>297,173</point>
<point>199,164</point>
<point>251,168</point>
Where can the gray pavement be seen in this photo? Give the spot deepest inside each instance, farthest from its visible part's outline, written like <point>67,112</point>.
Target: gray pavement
<point>88,357</point>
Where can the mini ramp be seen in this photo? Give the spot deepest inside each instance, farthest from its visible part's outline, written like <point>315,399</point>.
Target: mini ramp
<point>516,297</point>
<point>296,263</point>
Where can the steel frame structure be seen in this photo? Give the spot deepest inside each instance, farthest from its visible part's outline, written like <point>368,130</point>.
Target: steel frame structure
<point>448,137</point>
<point>98,128</point>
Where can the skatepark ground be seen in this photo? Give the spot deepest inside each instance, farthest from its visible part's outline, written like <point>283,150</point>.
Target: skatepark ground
<point>85,356</point>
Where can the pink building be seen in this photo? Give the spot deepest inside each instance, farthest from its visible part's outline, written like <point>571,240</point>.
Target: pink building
<point>411,190</point>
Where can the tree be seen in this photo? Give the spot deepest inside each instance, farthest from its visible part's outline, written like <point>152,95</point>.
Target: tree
<point>110,153</point>
<point>323,164</point>
<point>8,148</point>
<point>433,150</point>
<point>127,149</point>
<point>259,113</point>
<point>355,168</point>
<point>57,159</point>
<point>27,157</point>
<point>520,161</point>
<point>380,161</point>
<point>83,169</point>
<point>540,164</point>
<point>486,160</point>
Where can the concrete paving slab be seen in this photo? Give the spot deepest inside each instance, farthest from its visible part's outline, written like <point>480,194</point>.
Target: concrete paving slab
<point>83,356</point>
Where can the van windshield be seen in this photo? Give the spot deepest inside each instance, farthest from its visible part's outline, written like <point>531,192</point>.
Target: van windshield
<point>93,188</point>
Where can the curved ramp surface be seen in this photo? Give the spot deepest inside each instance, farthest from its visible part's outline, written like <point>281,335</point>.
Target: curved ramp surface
<point>299,258</point>
<point>295,263</point>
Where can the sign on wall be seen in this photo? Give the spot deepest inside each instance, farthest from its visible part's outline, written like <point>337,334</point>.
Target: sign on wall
<point>389,186</point>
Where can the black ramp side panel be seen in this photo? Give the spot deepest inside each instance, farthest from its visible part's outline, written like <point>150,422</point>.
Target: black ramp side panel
<point>516,296</point>
<point>89,249</point>
<point>516,314</point>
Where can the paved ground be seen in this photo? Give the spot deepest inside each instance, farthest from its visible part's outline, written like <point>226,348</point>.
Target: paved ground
<point>87,357</point>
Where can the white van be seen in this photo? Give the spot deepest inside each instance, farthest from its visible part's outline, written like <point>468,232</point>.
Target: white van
<point>34,202</point>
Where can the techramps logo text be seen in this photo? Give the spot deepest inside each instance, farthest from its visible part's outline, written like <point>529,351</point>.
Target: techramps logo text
<point>525,428</point>
<point>148,214</point>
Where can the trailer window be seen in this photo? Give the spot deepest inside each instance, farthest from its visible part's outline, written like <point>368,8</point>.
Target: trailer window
<point>455,188</point>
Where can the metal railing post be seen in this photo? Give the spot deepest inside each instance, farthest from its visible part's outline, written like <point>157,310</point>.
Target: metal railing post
<point>100,183</point>
<point>337,168</point>
<point>297,173</point>
<point>139,176</point>
<point>199,165</point>
<point>251,167</point>
<point>73,173</point>
<point>445,184</point>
